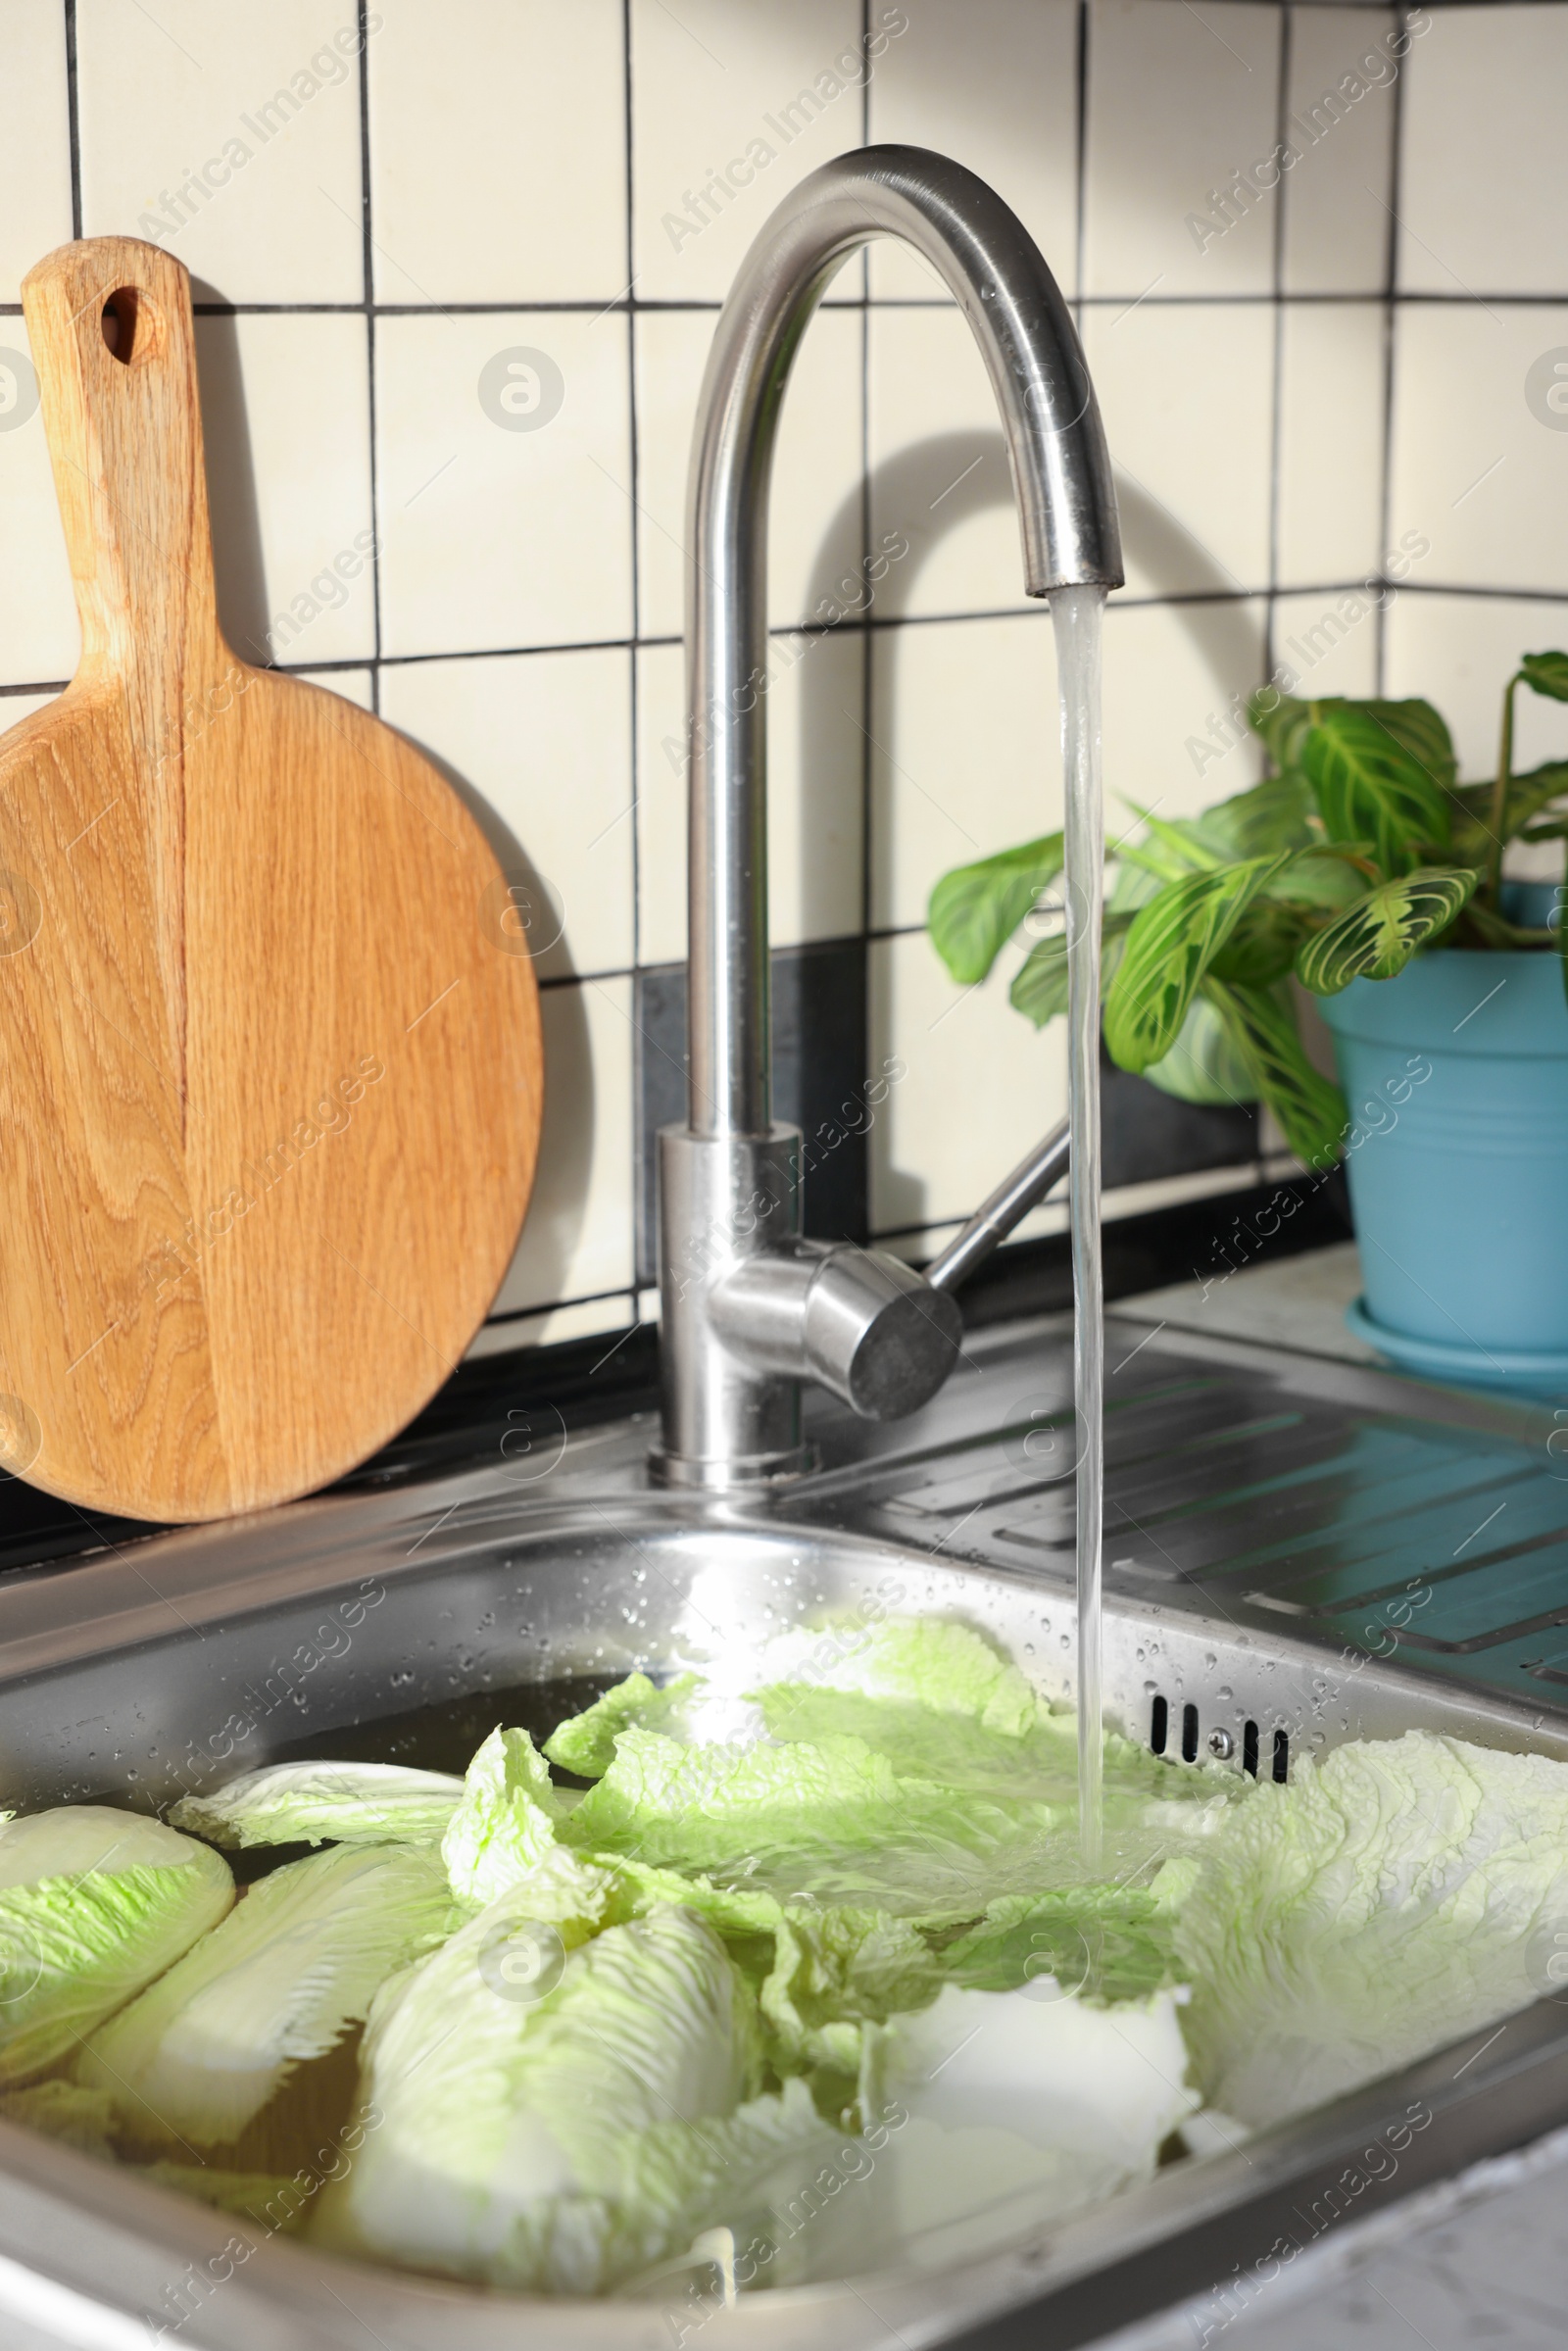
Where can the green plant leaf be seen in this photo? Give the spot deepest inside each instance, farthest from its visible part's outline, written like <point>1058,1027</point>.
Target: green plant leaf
<point>1376,938</point>
<point>1277,814</point>
<point>1371,787</point>
<point>1324,877</point>
<point>1168,848</point>
<point>1172,942</point>
<point>1547,673</point>
<point>1262,1022</point>
<point>1420,730</point>
<point>1471,839</point>
<point>1281,721</point>
<point>1039,985</point>
<point>1264,945</point>
<point>975,909</point>
<point>1203,1064</point>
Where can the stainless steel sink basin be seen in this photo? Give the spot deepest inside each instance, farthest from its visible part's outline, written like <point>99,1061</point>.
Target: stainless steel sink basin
<point>1288,1568</point>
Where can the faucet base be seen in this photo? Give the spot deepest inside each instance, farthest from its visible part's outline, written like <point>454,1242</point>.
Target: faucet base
<point>751,1474</point>
<point>723,1200</point>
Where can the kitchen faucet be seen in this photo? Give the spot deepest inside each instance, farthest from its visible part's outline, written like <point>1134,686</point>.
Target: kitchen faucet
<point>751,1309</point>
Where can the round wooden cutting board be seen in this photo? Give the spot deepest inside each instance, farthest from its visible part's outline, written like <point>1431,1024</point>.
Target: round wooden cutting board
<point>269,1060</point>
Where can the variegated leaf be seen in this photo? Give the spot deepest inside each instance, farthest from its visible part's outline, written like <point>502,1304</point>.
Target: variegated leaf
<point>1261,1023</point>
<point>1171,945</point>
<point>1377,937</point>
<point>1370,786</point>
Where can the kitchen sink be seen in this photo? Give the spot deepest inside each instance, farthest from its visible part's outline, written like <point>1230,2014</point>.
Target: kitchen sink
<point>1297,1552</point>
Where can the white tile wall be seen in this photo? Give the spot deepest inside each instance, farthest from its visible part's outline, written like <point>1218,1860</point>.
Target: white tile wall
<point>1472,461</point>
<point>816,523</point>
<point>286,410</point>
<point>234,141</point>
<point>1185,391</point>
<point>730,109</point>
<point>544,741</point>
<point>1329,482</point>
<point>972,1089</point>
<point>35,140</point>
<point>966,756</point>
<point>40,638</point>
<point>1337,192</point>
<point>498,151</point>
<point>937,86</point>
<point>1179,100</point>
<point>496,533</point>
<point>1461,650</point>
<point>1487,94</point>
<point>457,272</point>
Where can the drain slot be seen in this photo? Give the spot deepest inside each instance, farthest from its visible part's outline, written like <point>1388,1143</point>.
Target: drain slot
<point>1221,1742</point>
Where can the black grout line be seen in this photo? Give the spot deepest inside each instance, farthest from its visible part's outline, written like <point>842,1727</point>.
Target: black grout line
<point>635,1077</point>
<point>868,719</point>
<point>1282,109</point>
<point>1391,281</point>
<point>73,116</point>
<point>1380,7</point>
<point>1036,609</point>
<point>594,1297</point>
<point>1080,161</point>
<point>1492,299</point>
<point>368,252</point>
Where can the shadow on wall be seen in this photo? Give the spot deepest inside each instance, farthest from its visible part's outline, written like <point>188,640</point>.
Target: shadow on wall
<point>922,494</point>
<point>237,566</point>
<point>566,1145</point>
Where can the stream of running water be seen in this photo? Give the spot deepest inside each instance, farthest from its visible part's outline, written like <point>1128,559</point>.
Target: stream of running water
<point>1076,615</point>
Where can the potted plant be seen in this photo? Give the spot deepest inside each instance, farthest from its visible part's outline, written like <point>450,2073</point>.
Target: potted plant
<point>1364,873</point>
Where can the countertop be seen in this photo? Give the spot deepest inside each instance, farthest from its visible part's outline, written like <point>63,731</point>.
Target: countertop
<point>1297,1303</point>
<point>1482,2259</point>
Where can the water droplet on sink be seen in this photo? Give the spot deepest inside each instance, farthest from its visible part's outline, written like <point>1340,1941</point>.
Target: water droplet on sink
<point>1224,1690</point>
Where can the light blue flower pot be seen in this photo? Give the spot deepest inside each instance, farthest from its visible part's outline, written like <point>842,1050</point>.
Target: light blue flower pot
<point>1455,1076</point>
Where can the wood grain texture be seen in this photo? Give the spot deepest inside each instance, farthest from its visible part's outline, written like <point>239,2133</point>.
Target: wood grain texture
<point>271,1078</point>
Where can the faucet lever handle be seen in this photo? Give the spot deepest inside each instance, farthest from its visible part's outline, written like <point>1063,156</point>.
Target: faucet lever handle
<point>1006,1207</point>
<point>859,1322</point>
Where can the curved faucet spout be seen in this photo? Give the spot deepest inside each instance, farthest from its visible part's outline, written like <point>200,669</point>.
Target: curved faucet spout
<point>750,1309</point>
<point>1066,511</point>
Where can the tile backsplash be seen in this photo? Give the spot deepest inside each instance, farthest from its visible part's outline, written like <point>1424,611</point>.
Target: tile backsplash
<point>456,273</point>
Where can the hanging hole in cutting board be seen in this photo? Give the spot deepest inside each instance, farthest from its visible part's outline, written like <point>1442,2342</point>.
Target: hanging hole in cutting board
<point>129,324</point>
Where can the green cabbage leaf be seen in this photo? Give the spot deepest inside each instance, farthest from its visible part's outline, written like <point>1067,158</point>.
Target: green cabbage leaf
<point>323,1803</point>
<point>563,2141</point>
<point>1392,1897</point>
<point>192,2062</point>
<point>94,1903</point>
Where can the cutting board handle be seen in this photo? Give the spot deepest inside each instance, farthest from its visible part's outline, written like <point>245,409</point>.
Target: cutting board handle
<point>110,320</point>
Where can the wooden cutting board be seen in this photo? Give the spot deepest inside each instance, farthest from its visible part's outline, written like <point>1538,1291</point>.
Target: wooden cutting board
<point>269,1059</point>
